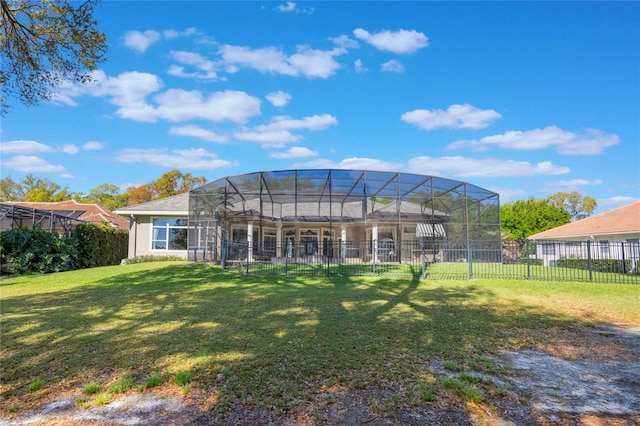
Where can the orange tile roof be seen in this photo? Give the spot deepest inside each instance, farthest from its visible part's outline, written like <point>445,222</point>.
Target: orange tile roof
<point>621,220</point>
<point>90,212</point>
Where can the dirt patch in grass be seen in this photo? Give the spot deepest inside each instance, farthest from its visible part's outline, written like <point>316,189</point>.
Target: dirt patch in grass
<point>589,376</point>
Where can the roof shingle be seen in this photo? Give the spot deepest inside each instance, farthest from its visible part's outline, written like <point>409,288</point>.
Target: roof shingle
<point>621,220</point>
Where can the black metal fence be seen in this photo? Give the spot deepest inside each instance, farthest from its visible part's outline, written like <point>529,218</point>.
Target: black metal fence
<point>608,262</point>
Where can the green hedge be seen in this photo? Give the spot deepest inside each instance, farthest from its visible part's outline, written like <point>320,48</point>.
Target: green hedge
<point>35,250</point>
<point>597,265</point>
<point>100,245</point>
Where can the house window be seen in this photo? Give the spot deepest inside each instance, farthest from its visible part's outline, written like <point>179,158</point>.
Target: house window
<point>169,234</point>
<point>604,248</point>
<point>549,248</point>
<point>270,241</point>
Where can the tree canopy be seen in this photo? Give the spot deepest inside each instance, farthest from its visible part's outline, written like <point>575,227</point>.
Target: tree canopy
<point>523,218</point>
<point>43,44</point>
<point>171,183</point>
<point>578,206</point>
<point>108,195</point>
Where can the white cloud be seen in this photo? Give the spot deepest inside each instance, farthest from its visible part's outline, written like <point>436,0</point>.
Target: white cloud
<point>279,99</point>
<point>170,34</point>
<point>392,66</point>
<point>612,202</point>
<point>310,63</point>
<point>290,6</point>
<point>456,117</point>
<point>129,91</point>
<point>295,152</point>
<point>93,146</point>
<point>314,63</point>
<point>345,42</point>
<point>141,41</point>
<point>268,138</point>
<point>287,7</point>
<point>206,68</point>
<point>314,122</point>
<point>572,184</point>
<point>357,65</point>
<point>402,41</point>
<point>267,59</point>
<point>473,167</point>
<point>32,147</point>
<point>229,105</point>
<point>30,164</point>
<point>277,132</point>
<point>24,147</point>
<point>189,159</point>
<point>200,133</point>
<point>590,142</point>
<point>508,194</point>
<point>351,163</point>
<point>70,148</point>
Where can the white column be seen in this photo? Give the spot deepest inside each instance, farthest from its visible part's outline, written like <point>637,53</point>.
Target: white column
<point>278,239</point>
<point>374,242</point>
<point>250,242</point>
<point>343,241</point>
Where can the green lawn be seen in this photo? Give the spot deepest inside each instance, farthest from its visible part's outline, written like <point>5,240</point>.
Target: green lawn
<point>273,342</point>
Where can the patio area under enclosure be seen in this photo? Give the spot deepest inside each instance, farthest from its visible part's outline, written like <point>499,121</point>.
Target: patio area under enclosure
<point>302,217</point>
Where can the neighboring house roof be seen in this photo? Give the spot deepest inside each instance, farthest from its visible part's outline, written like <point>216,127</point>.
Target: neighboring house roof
<point>85,212</point>
<point>175,205</point>
<point>621,220</point>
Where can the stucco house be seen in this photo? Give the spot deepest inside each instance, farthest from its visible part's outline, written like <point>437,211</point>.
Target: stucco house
<point>614,234</point>
<point>305,214</point>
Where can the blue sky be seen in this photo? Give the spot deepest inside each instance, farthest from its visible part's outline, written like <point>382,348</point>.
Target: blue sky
<point>523,98</point>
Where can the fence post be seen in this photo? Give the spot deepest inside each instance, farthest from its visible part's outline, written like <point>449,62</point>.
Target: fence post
<point>286,260</point>
<point>528,261</point>
<point>423,259</point>
<point>624,264</point>
<point>589,260</point>
<point>470,259</point>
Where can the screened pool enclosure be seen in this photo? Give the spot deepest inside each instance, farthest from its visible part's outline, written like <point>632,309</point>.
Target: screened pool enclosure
<point>342,216</point>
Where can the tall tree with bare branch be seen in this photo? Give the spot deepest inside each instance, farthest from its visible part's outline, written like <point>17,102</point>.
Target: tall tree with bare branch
<point>44,43</point>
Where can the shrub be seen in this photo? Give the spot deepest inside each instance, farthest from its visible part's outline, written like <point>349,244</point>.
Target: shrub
<point>36,385</point>
<point>91,388</point>
<point>103,399</point>
<point>120,386</point>
<point>597,265</point>
<point>151,258</point>
<point>153,381</point>
<point>36,250</point>
<point>100,245</point>
<point>182,378</point>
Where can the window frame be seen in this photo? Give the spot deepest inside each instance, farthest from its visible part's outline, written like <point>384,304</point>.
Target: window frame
<point>167,228</point>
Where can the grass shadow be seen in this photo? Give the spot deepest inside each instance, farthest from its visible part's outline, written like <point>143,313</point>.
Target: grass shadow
<point>270,343</point>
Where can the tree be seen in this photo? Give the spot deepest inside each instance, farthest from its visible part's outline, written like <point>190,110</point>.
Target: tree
<point>43,190</point>
<point>523,218</point>
<point>140,194</point>
<point>170,183</point>
<point>10,190</point>
<point>175,182</point>
<point>107,195</point>
<point>45,43</point>
<point>578,206</point>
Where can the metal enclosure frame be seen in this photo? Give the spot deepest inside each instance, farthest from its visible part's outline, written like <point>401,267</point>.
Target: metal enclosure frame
<point>342,204</point>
